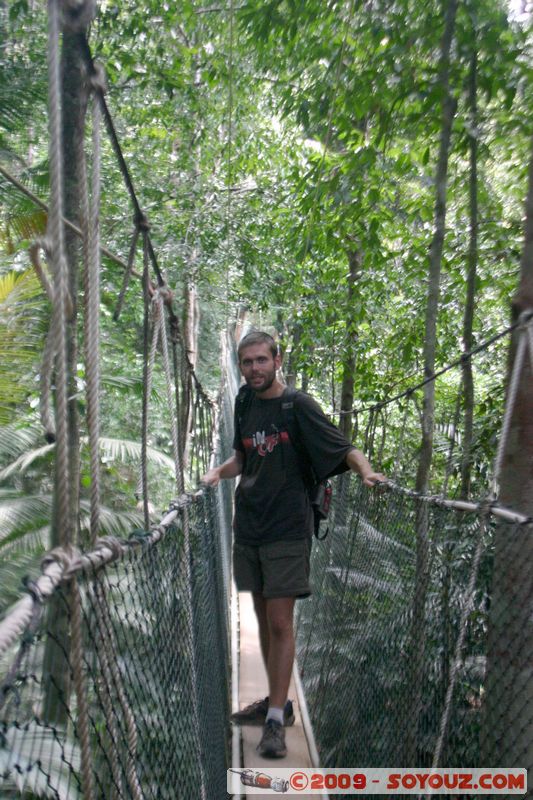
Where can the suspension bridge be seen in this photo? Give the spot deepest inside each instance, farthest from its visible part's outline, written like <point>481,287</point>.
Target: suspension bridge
<point>116,665</point>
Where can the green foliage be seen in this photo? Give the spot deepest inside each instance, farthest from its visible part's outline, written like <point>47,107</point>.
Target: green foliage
<point>22,313</point>
<point>268,150</point>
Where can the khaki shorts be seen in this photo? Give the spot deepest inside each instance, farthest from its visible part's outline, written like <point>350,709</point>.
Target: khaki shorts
<point>276,569</point>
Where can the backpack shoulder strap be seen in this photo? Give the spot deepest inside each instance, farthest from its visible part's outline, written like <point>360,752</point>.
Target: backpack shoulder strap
<point>243,402</point>
<point>290,418</point>
<point>288,412</point>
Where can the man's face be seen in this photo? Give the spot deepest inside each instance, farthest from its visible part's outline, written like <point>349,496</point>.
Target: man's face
<point>258,367</point>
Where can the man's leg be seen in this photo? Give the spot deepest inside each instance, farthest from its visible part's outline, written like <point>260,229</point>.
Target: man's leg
<point>261,614</point>
<point>279,614</point>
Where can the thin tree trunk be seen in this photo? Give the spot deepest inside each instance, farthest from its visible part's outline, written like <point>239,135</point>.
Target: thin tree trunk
<point>190,327</point>
<point>348,363</point>
<point>56,671</point>
<point>416,650</point>
<point>507,735</point>
<point>191,308</point>
<point>191,321</point>
<point>290,373</point>
<point>468,322</point>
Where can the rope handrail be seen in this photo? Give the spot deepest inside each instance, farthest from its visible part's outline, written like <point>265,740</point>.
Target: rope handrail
<point>469,506</point>
<point>140,216</point>
<point>62,564</point>
<point>524,319</point>
<point>141,219</point>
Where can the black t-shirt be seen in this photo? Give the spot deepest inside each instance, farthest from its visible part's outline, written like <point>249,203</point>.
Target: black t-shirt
<point>271,501</point>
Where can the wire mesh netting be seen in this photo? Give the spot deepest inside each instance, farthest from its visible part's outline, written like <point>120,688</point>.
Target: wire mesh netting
<point>153,666</point>
<point>385,680</point>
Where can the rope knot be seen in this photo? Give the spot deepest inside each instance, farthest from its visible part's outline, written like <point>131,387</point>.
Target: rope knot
<point>97,79</point>
<point>141,222</point>
<point>32,587</point>
<point>111,543</point>
<point>174,329</point>
<point>525,318</point>
<point>181,502</point>
<point>69,558</point>
<point>77,14</point>
<point>165,293</point>
<point>487,504</point>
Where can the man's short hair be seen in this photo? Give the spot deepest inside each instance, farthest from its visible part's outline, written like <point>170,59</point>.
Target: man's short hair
<point>257,337</point>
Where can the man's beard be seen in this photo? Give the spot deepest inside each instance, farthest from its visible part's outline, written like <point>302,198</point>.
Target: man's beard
<point>268,381</point>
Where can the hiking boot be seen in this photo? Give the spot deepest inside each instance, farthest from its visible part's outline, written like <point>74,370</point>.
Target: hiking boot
<point>272,744</point>
<point>255,713</point>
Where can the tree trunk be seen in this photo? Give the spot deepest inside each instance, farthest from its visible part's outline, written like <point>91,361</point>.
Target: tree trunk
<point>191,321</point>
<point>290,372</point>
<point>191,307</point>
<point>190,335</point>
<point>56,672</point>
<point>348,363</point>
<point>507,735</point>
<point>416,650</point>
<point>468,322</point>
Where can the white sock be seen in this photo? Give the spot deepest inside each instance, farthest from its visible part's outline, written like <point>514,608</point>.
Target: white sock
<point>275,713</point>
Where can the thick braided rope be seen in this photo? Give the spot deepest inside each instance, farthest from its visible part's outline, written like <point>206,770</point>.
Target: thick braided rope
<point>14,670</point>
<point>45,383</point>
<point>55,233</point>
<point>16,621</point>
<point>76,655</point>
<point>508,514</point>
<point>92,343</point>
<point>170,388</point>
<point>60,564</point>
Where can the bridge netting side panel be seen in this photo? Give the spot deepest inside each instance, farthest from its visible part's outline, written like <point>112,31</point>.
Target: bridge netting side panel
<point>118,684</point>
<point>386,688</point>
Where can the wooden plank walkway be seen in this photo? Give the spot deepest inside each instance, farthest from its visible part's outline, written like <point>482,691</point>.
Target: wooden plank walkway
<point>253,685</point>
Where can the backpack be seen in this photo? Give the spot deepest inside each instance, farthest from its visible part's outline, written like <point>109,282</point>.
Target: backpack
<point>320,492</point>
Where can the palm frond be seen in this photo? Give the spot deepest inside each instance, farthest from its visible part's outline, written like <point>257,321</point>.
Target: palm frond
<point>22,514</point>
<point>127,450</point>
<point>32,543</point>
<point>113,523</point>
<point>25,521</point>
<point>17,288</point>
<point>21,229</point>
<point>22,463</point>
<point>15,440</point>
<point>14,565</point>
<point>123,450</point>
<point>21,300</point>
<point>26,748</point>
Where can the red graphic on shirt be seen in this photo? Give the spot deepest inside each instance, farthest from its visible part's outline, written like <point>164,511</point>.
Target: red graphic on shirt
<point>264,443</point>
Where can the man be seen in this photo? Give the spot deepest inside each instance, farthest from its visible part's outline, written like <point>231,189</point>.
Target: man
<point>273,516</point>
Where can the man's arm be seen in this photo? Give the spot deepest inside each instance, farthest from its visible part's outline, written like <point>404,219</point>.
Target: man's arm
<point>229,469</point>
<point>359,463</point>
